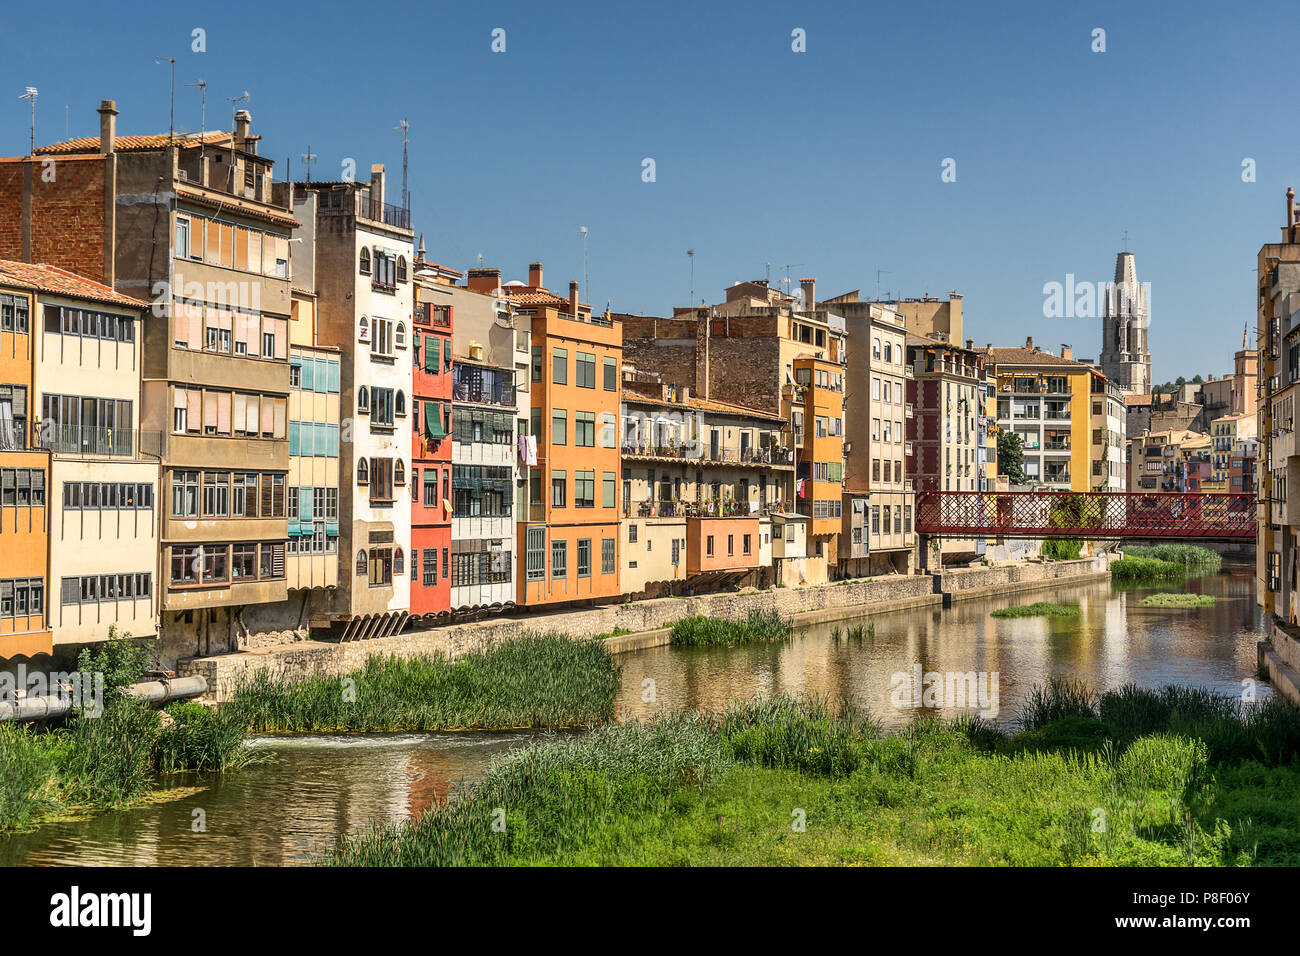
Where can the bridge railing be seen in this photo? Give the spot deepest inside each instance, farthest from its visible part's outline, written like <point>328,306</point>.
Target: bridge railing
<point>1083,514</point>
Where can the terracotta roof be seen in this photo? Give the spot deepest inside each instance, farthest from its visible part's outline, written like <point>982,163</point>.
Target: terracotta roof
<point>235,204</point>
<point>50,279</point>
<point>129,144</point>
<point>703,405</point>
<point>1023,356</point>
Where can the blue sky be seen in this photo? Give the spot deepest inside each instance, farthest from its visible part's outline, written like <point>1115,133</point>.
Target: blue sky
<point>828,159</point>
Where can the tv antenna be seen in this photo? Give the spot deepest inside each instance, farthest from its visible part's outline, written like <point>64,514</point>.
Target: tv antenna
<point>690,253</point>
<point>879,273</point>
<point>203,109</point>
<point>31,94</point>
<point>787,267</point>
<point>404,128</point>
<point>307,158</point>
<point>171,103</point>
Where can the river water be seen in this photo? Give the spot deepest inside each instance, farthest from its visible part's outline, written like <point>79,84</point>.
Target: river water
<point>317,789</point>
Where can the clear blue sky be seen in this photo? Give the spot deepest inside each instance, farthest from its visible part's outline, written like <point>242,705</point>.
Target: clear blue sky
<point>829,159</point>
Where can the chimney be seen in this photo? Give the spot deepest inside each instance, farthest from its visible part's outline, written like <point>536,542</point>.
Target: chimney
<point>243,123</point>
<point>809,287</point>
<point>970,345</point>
<point>1066,351</point>
<point>107,126</point>
<point>1029,342</point>
<point>535,275</point>
<point>484,280</point>
<point>1290,202</point>
<point>573,291</point>
<point>377,183</point>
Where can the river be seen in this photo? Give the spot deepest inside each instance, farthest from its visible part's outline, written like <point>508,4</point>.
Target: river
<point>316,789</point>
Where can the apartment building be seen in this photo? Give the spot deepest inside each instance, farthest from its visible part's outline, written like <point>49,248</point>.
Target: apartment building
<point>315,480</point>
<point>1225,433</point>
<point>432,420</point>
<point>1045,399</point>
<point>948,427</point>
<point>573,515</point>
<point>929,316</point>
<point>190,223</point>
<point>104,471</point>
<point>362,249</point>
<point>1176,460</point>
<point>1242,469</point>
<point>1278,335</point>
<point>1106,452</point>
<point>704,490</point>
<point>492,420</point>
<point>878,490</point>
<point>24,479</point>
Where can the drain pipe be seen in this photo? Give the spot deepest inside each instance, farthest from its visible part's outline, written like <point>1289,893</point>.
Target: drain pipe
<point>152,692</point>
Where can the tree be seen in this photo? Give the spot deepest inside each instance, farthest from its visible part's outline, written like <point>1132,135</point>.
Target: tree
<point>1011,457</point>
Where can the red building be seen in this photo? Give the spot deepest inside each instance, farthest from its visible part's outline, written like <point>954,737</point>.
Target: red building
<point>431,441</point>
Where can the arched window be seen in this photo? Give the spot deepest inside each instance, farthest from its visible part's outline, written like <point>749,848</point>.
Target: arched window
<point>363,399</point>
<point>398,566</point>
<point>363,329</point>
<point>363,472</point>
<point>399,403</point>
<point>399,472</point>
<point>365,262</point>
<point>361,563</point>
<point>415,484</point>
<point>399,336</point>
<point>401,268</point>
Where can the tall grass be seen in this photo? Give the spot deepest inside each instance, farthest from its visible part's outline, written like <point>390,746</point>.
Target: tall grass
<point>1179,600</point>
<point>802,733</point>
<point>1132,569</point>
<point>1038,609</point>
<point>1192,555</point>
<point>536,680</point>
<point>757,627</point>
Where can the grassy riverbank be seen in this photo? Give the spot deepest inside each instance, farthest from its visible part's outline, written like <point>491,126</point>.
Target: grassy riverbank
<point>1190,555</point>
<point>1132,778</point>
<point>535,680</point>
<point>1038,609</point>
<point>110,761</point>
<point>759,626</point>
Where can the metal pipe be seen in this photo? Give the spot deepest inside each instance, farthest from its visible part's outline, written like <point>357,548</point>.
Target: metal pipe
<point>153,692</point>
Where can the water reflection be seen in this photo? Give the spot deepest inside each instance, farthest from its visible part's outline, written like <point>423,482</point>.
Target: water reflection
<point>319,789</point>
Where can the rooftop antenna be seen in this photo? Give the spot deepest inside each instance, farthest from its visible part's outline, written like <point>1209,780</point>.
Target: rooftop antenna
<point>307,158</point>
<point>767,273</point>
<point>404,128</point>
<point>171,107</point>
<point>1126,240</point>
<point>234,108</point>
<point>203,108</point>
<point>66,137</point>
<point>586,272</point>
<point>31,94</point>
<point>879,273</point>
<point>690,253</point>
<point>787,267</point>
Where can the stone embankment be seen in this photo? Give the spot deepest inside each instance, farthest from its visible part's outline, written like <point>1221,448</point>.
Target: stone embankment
<point>641,624</point>
<point>1279,656</point>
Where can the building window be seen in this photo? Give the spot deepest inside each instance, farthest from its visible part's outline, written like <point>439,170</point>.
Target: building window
<point>535,553</point>
<point>365,262</point>
<point>430,578</point>
<point>398,565</point>
<point>584,429</point>
<point>585,370</point>
<point>559,426</point>
<point>363,472</point>
<point>607,564</point>
<point>401,268</point>
<point>609,490</point>
<point>611,374</point>
<point>584,489</point>
<point>361,564</point>
<point>560,366</point>
<point>363,399</point>
<point>399,335</point>
<point>584,557</point>
<point>559,489</point>
<point>559,559</point>
<point>708,546</point>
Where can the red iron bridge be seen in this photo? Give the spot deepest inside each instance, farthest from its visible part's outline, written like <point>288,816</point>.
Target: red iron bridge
<point>1086,514</point>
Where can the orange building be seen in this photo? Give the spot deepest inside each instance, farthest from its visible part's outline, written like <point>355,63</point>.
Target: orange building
<point>819,435</point>
<point>569,538</point>
<point>24,483</point>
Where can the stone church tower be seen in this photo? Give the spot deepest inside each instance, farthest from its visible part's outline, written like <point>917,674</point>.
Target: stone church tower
<point>1125,318</point>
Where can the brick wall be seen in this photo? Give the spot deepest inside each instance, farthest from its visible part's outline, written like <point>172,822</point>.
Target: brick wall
<point>67,225</point>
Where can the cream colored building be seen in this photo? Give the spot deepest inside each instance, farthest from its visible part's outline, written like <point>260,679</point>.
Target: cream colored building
<point>104,471</point>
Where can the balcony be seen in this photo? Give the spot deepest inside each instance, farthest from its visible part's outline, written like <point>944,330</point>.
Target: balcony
<point>725,508</point>
<point>775,455</point>
<point>361,205</point>
<point>90,440</point>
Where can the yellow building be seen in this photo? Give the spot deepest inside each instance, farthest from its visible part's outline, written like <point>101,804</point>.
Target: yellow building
<point>1046,400</point>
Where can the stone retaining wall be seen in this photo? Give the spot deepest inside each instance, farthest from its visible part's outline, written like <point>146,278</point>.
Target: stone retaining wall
<point>805,605</point>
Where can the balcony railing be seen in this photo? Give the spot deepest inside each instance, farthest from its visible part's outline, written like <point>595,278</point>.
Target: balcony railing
<point>696,509</point>
<point>364,207</point>
<point>695,451</point>
<point>89,440</point>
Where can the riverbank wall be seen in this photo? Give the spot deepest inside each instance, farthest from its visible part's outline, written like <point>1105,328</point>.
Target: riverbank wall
<point>641,624</point>
<point>1280,657</point>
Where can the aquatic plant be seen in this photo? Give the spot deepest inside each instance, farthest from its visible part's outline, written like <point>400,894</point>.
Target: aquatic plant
<point>1038,609</point>
<point>758,626</point>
